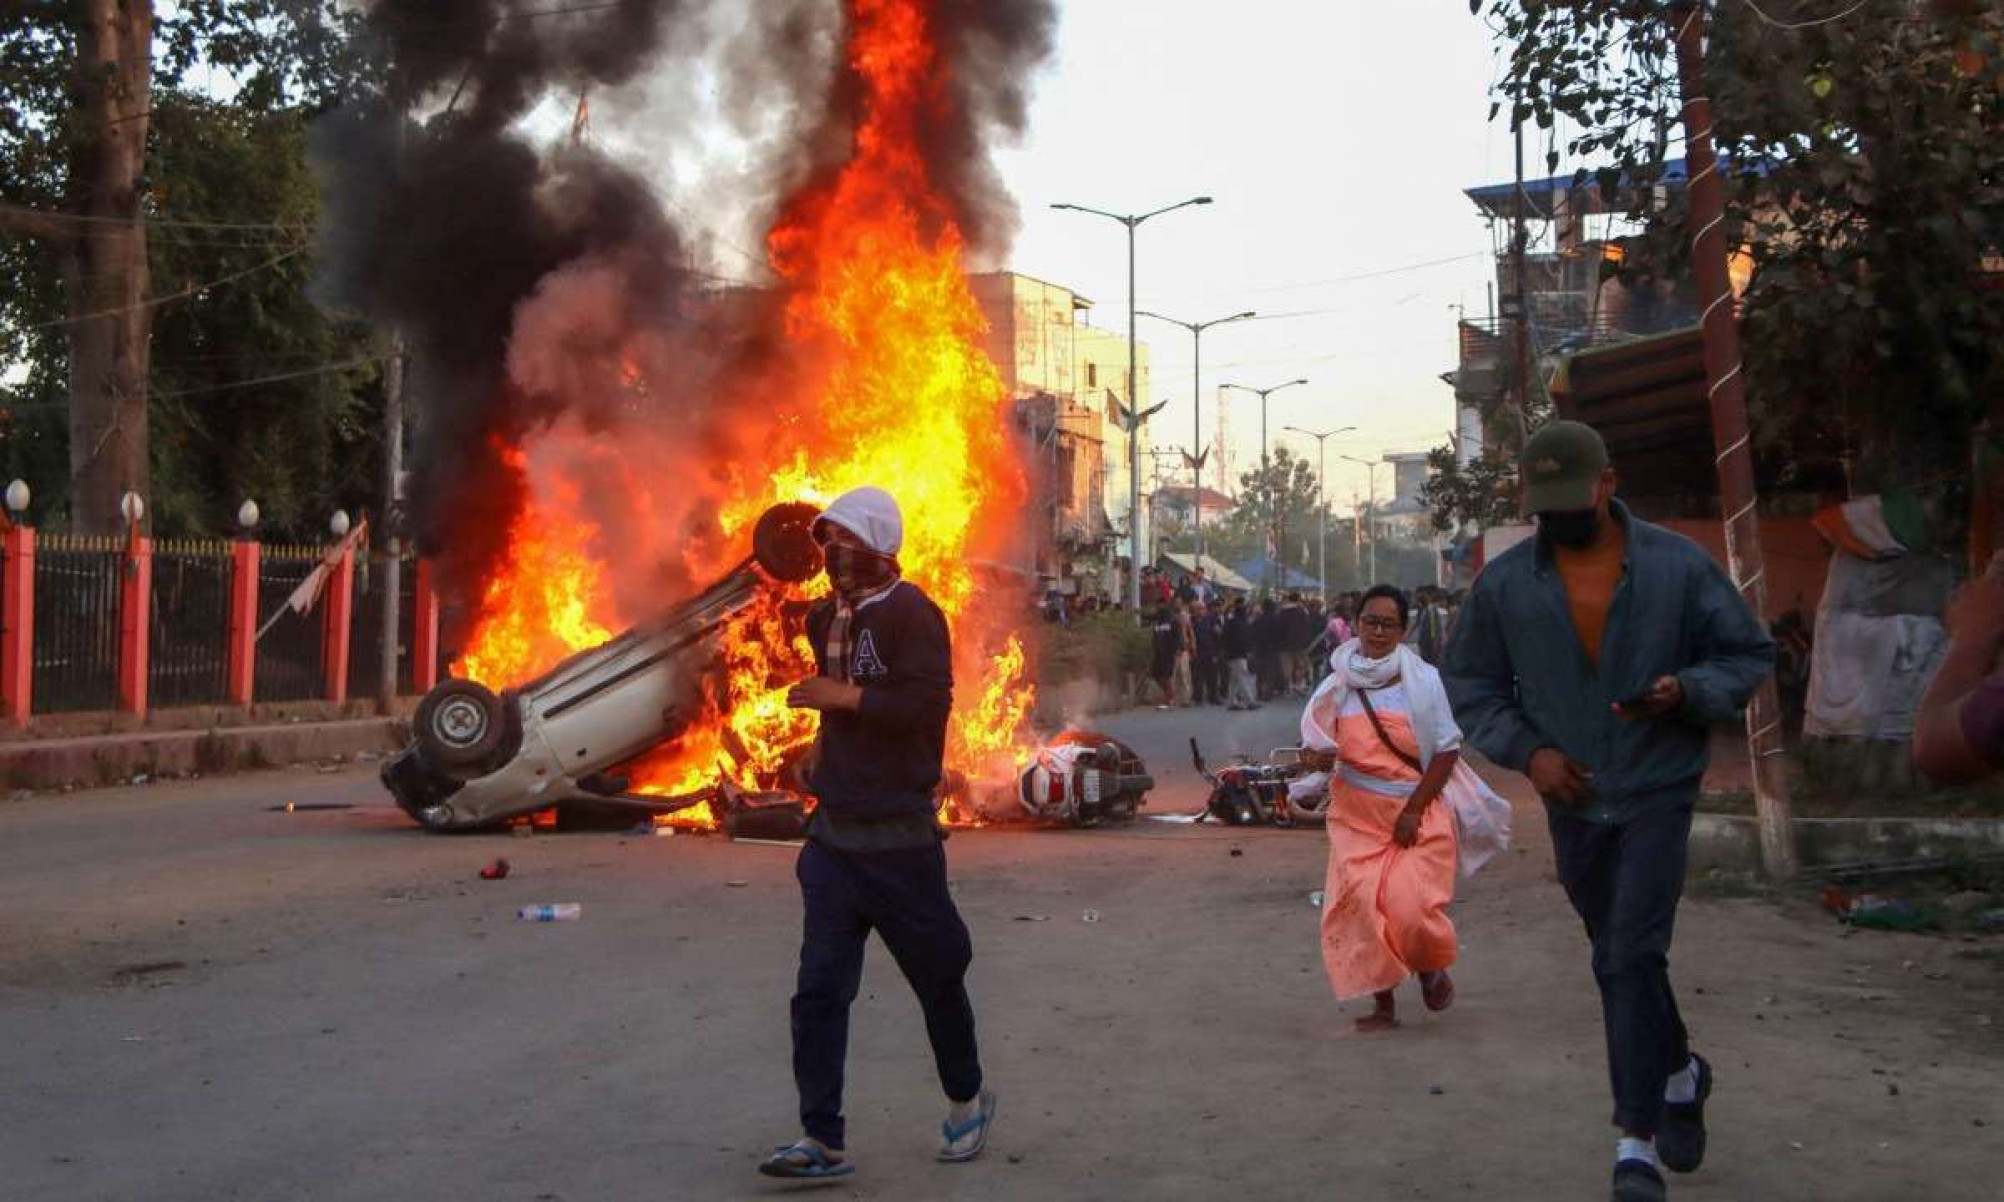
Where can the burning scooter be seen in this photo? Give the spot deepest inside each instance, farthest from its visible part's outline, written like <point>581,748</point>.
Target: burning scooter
<point>479,759</point>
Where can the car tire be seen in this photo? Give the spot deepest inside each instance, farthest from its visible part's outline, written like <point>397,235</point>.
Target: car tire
<point>460,726</point>
<point>783,542</point>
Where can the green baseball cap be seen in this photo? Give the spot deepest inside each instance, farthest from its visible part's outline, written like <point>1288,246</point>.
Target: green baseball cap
<point>1561,466</point>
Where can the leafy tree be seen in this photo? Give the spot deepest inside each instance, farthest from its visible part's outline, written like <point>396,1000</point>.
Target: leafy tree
<point>1866,180</point>
<point>1277,508</point>
<point>82,86</point>
<point>1481,493</point>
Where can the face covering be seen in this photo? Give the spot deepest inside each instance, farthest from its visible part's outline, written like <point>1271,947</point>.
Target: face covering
<point>1570,528</point>
<point>857,573</point>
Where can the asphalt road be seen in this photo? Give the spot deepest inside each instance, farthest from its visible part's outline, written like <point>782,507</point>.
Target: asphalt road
<point>206,997</point>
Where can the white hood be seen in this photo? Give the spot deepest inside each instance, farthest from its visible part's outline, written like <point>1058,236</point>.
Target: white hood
<point>870,514</point>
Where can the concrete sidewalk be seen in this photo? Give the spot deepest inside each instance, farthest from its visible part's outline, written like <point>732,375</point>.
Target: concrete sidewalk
<point>119,757</point>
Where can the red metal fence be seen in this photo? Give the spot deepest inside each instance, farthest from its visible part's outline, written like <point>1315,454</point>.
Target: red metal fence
<point>111,623</point>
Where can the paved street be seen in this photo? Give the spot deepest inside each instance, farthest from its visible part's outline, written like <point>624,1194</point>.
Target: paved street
<point>209,998</point>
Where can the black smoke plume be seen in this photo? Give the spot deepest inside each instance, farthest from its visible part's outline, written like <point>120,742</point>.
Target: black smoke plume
<point>446,222</point>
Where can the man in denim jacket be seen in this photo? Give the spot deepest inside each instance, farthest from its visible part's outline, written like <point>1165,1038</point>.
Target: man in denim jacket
<point>1594,659</point>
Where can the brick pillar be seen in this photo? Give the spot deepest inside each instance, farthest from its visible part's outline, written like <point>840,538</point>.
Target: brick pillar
<point>244,560</point>
<point>135,612</point>
<point>424,630</point>
<point>340,619</point>
<point>17,622</point>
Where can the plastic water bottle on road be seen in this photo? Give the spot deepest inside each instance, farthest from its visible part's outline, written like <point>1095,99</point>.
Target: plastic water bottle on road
<point>551,912</point>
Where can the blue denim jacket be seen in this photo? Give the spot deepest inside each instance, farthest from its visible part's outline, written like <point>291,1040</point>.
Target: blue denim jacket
<point>1520,679</point>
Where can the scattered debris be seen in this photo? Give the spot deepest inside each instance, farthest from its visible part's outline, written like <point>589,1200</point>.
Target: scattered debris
<point>310,807</point>
<point>141,778</point>
<point>1091,915</point>
<point>736,884</point>
<point>1870,911</point>
<point>1436,1090</point>
<point>551,912</point>
<point>1034,918</point>
<point>1315,899</point>
<point>1238,851</point>
<point>130,973</point>
<point>496,870</point>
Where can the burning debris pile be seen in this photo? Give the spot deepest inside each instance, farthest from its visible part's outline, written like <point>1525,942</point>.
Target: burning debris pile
<point>604,424</point>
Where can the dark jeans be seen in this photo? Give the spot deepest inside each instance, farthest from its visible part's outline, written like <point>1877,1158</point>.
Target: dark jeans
<point>902,895</point>
<point>1204,680</point>
<point>1624,879</point>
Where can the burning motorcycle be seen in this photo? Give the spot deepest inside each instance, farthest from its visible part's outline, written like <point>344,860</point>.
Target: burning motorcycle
<point>479,759</point>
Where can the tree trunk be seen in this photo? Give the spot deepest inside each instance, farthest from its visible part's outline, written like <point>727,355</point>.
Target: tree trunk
<point>109,323</point>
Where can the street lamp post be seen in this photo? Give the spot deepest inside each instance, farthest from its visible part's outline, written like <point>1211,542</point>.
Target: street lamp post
<point>1322,502</point>
<point>1134,415</point>
<point>1197,329</point>
<point>1371,473</point>
<point>1262,394</point>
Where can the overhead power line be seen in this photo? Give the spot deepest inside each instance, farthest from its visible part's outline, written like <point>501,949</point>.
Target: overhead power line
<point>163,222</point>
<point>1808,24</point>
<point>156,301</point>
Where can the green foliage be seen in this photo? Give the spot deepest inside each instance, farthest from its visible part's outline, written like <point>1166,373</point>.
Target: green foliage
<point>1864,171</point>
<point>1277,509</point>
<point>235,84</point>
<point>300,444</point>
<point>1106,646</point>
<point>1482,493</point>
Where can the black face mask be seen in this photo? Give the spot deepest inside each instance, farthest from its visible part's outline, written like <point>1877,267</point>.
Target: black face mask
<point>1570,528</point>
<point>856,572</point>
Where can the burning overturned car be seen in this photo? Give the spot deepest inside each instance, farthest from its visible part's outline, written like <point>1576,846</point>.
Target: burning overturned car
<point>479,759</point>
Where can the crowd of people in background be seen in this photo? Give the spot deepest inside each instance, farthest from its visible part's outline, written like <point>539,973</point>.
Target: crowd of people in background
<point>1240,652</point>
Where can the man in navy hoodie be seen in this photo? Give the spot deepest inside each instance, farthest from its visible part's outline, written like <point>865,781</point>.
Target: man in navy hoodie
<point>873,858</point>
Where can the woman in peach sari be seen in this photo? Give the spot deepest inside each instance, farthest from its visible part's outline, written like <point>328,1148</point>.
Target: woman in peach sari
<point>1382,722</point>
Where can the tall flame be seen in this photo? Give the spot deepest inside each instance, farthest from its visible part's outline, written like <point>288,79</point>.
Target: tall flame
<point>895,391</point>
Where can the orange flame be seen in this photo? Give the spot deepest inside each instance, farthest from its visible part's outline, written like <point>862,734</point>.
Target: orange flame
<point>894,391</point>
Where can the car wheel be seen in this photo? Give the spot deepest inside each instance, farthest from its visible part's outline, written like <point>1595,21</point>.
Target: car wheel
<point>460,725</point>
<point>783,542</point>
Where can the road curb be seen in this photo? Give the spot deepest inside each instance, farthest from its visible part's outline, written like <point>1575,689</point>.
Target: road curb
<point>98,760</point>
<point>1732,841</point>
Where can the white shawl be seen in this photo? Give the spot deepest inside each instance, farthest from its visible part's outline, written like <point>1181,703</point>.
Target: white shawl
<point>1431,716</point>
<point>1481,818</point>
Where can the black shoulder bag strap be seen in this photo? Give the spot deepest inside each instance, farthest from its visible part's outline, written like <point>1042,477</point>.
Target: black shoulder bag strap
<point>1364,696</point>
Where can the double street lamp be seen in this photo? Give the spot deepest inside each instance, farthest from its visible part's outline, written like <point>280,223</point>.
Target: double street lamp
<point>1131,414</point>
<point>1322,502</point>
<point>1371,472</point>
<point>1196,457</point>
<point>1262,394</point>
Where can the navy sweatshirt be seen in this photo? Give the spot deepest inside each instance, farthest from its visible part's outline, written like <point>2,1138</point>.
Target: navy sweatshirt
<point>883,760</point>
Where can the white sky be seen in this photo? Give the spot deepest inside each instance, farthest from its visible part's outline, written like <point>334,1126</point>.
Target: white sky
<point>1336,137</point>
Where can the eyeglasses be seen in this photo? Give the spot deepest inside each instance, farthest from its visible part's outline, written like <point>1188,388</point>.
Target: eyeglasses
<point>1381,624</point>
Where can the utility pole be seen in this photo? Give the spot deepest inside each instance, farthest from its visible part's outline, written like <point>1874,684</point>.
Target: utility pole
<point>1322,503</point>
<point>1520,238</point>
<point>1262,394</point>
<point>1198,452</point>
<point>1726,387</point>
<point>1370,474</point>
<point>1132,415</point>
<point>393,509</point>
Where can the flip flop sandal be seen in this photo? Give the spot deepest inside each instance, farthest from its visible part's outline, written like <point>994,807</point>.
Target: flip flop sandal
<point>1438,993</point>
<point>976,1126</point>
<point>817,1166</point>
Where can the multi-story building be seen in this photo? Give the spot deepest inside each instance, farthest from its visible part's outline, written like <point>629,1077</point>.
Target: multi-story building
<point>1068,379</point>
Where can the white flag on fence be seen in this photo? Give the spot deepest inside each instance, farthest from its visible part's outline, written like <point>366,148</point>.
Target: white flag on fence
<point>307,595</point>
